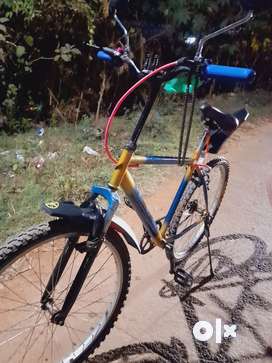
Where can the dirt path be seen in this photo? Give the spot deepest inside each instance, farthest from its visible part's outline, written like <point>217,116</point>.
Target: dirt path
<point>158,318</point>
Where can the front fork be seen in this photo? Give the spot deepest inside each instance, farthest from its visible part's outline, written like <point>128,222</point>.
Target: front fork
<point>91,247</point>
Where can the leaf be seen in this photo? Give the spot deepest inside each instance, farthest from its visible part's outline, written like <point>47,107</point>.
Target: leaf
<point>20,51</point>
<point>4,20</point>
<point>29,40</point>
<point>3,28</point>
<point>76,51</point>
<point>28,69</point>
<point>66,57</point>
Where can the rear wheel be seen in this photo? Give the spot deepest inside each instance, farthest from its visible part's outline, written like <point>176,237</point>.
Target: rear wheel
<point>27,333</point>
<point>191,211</point>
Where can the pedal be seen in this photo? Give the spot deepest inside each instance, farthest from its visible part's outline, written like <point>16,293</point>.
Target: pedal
<point>183,278</point>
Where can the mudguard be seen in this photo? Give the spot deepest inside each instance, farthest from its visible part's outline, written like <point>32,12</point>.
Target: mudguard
<point>120,226</point>
<point>90,219</point>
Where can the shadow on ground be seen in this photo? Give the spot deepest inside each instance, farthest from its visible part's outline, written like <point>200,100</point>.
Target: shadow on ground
<point>240,293</point>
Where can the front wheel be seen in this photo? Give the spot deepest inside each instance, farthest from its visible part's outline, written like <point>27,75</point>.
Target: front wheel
<point>27,332</point>
<point>189,216</point>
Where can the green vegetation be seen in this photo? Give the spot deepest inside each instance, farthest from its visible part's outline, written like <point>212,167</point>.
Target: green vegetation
<point>49,74</point>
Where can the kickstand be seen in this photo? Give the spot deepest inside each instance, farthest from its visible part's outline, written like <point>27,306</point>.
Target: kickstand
<point>207,234</point>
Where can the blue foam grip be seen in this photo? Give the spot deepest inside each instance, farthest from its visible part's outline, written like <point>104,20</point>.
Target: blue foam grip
<point>104,56</point>
<point>228,73</point>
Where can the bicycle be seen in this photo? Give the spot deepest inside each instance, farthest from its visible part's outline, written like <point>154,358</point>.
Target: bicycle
<point>63,283</point>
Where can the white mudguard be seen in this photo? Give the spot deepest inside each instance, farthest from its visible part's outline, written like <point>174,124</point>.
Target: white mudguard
<point>120,226</point>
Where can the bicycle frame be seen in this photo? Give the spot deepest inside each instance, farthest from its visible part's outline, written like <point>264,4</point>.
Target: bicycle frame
<point>122,178</point>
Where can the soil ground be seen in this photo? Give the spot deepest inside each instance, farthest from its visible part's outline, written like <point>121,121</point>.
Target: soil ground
<point>157,321</point>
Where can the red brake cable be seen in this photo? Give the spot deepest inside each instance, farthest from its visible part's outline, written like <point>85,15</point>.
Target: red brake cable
<point>120,102</point>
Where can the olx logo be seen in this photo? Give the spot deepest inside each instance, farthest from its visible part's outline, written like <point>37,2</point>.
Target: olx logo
<point>203,331</point>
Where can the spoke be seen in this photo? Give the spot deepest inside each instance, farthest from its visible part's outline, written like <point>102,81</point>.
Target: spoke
<point>22,299</point>
<point>73,330</point>
<point>100,269</point>
<point>17,323</point>
<point>91,303</point>
<point>78,330</point>
<point>70,336</point>
<point>40,266</point>
<point>53,329</point>
<point>51,343</point>
<point>93,288</point>
<point>18,347</point>
<point>26,279</point>
<point>45,345</point>
<point>101,251</point>
<point>29,338</point>
<point>39,278</point>
<point>19,308</point>
<point>13,300</point>
<point>15,329</point>
<point>68,286</point>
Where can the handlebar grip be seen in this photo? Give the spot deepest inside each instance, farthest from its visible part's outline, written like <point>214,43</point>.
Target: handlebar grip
<point>104,56</point>
<point>212,71</point>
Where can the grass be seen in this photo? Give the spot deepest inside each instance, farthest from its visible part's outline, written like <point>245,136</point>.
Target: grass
<point>68,173</point>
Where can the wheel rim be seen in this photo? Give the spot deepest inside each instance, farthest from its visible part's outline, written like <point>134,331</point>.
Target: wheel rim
<point>27,333</point>
<point>194,212</point>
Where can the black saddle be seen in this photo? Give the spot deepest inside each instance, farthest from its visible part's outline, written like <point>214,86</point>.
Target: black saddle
<point>224,121</point>
<point>221,124</point>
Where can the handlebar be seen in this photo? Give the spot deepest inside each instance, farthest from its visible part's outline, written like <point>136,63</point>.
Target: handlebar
<point>102,55</point>
<point>120,56</point>
<point>222,73</point>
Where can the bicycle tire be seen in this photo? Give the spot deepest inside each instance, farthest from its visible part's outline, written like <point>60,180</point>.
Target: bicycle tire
<point>38,238</point>
<point>187,198</point>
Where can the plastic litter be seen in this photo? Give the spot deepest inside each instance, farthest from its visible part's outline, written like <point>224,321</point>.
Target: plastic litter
<point>88,150</point>
<point>40,131</point>
<point>38,162</point>
<point>19,157</point>
<point>52,156</point>
<point>4,153</point>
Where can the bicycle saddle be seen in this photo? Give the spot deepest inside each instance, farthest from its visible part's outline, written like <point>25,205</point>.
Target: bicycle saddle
<point>228,123</point>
